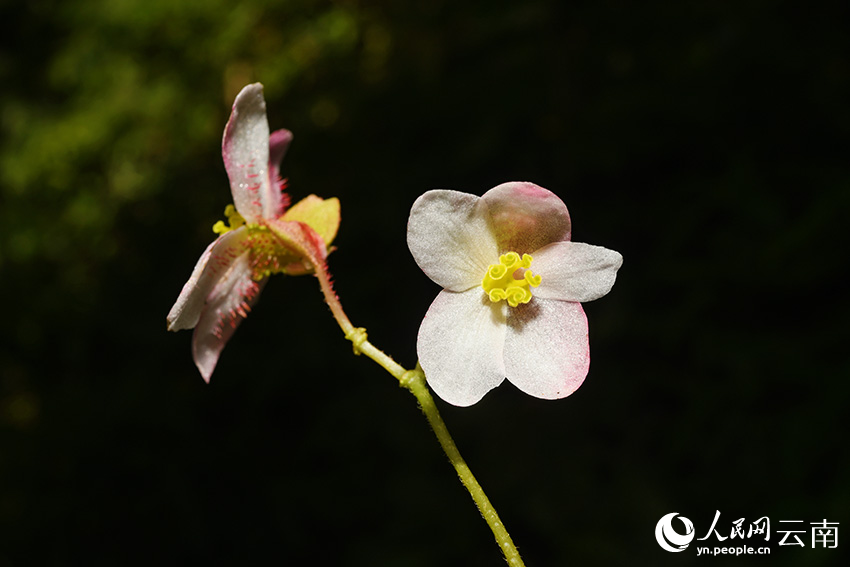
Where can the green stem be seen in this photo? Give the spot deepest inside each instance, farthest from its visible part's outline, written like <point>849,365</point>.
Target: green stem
<point>416,384</point>
<point>414,381</point>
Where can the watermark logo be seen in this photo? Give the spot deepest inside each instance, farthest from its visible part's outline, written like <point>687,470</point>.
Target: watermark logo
<point>668,538</point>
<point>742,535</point>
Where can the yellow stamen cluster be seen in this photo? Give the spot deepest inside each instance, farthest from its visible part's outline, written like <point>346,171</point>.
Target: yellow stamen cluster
<point>510,279</point>
<point>234,220</point>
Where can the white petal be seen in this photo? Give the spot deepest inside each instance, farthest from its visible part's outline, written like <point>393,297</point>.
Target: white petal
<point>214,262</point>
<point>450,238</point>
<point>460,346</point>
<point>228,303</point>
<point>546,348</point>
<point>245,149</point>
<point>572,271</point>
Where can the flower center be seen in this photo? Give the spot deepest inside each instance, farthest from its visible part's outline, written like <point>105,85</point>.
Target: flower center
<point>269,255</point>
<point>234,220</point>
<point>510,279</point>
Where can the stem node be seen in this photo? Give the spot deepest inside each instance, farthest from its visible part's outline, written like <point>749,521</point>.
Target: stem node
<point>357,336</point>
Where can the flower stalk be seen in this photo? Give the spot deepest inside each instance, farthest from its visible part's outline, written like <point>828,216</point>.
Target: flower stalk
<point>414,382</point>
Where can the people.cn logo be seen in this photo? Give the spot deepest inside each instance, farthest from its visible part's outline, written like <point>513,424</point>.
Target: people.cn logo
<point>668,538</point>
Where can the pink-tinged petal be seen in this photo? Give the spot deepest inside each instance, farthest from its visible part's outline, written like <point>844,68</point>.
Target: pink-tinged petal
<point>245,149</point>
<point>573,271</point>
<point>278,144</point>
<point>460,346</point>
<point>526,217</point>
<point>227,304</point>
<point>449,235</point>
<point>546,348</point>
<point>214,262</point>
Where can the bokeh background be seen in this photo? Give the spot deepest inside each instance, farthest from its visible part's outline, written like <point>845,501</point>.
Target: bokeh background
<point>707,142</point>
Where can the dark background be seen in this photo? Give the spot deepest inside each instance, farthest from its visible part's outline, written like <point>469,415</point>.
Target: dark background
<point>707,142</point>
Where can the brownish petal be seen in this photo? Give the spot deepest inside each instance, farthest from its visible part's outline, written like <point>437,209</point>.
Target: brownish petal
<point>525,217</point>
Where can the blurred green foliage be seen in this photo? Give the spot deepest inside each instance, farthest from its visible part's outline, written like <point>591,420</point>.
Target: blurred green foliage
<point>125,93</point>
<point>706,142</point>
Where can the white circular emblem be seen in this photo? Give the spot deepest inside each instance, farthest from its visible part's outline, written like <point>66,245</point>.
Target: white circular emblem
<point>668,538</point>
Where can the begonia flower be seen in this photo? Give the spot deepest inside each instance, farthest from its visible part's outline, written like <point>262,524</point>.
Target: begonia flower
<point>513,283</point>
<point>262,236</point>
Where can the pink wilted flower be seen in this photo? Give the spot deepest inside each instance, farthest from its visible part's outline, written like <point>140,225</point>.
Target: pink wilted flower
<point>261,237</point>
<point>513,283</point>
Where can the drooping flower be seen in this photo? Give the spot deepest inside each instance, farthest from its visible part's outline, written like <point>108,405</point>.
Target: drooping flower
<point>513,283</point>
<point>262,236</point>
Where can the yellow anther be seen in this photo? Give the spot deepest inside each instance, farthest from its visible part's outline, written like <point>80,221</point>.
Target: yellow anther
<point>510,279</point>
<point>234,219</point>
